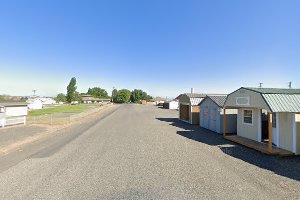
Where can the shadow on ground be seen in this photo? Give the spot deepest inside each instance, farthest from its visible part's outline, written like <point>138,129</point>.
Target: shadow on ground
<point>284,166</point>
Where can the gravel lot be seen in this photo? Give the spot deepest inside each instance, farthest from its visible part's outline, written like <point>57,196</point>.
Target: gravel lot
<point>144,152</point>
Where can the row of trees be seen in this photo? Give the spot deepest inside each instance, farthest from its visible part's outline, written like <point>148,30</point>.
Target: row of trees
<point>124,96</point>
<point>74,95</point>
<point>118,96</point>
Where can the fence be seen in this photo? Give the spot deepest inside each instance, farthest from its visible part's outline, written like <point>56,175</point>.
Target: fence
<point>10,120</point>
<point>61,118</point>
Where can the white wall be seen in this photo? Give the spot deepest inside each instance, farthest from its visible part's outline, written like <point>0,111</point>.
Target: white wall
<point>173,105</point>
<point>207,107</point>
<point>250,131</point>
<point>16,111</point>
<point>36,105</point>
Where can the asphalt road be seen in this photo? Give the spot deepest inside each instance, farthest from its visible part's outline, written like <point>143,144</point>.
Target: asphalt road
<point>143,152</point>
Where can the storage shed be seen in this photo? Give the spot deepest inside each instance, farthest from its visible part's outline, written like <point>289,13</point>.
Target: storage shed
<point>12,113</point>
<point>189,107</point>
<point>268,115</point>
<point>211,114</point>
<point>173,105</point>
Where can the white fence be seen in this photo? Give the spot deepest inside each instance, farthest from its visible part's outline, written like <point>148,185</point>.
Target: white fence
<point>8,121</point>
<point>61,118</point>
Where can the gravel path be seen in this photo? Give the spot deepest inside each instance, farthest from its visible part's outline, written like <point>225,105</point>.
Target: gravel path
<point>144,152</point>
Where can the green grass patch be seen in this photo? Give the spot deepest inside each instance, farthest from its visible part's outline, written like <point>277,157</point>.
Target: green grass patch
<point>63,109</point>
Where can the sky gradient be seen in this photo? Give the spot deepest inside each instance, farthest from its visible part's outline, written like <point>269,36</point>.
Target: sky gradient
<point>163,47</point>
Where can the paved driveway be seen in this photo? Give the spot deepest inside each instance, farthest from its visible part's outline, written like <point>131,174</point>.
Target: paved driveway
<point>143,152</point>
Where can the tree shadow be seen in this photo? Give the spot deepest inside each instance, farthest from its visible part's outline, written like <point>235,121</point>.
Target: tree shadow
<point>283,166</point>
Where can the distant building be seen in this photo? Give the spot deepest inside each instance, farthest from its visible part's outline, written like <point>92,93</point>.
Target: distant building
<point>159,101</point>
<point>35,104</point>
<point>90,99</point>
<point>143,102</point>
<point>47,101</point>
<point>173,105</point>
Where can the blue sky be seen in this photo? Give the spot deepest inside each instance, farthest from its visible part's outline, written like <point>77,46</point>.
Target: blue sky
<point>164,47</point>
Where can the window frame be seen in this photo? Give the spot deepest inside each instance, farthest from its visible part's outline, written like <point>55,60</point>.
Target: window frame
<point>243,117</point>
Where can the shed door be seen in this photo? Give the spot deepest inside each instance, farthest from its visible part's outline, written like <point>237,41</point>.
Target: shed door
<point>205,117</point>
<point>213,119</point>
<point>184,111</point>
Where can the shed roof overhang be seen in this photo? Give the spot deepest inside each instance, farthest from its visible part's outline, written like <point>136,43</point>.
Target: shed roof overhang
<point>272,102</point>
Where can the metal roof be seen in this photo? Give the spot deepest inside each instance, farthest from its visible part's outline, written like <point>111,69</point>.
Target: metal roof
<point>195,101</point>
<point>280,99</point>
<point>283,102</point>
<point>273,90</point>
<point>217,99</point>
<point>195,95</point>
<point>12,104</point>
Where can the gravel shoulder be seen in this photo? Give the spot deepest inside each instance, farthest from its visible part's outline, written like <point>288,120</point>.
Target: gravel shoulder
<point>14,137</point>
<point>144,152</point>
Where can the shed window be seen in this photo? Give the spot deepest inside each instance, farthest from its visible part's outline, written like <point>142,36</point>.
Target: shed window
<point>274,120</point>
<point>248,115</point>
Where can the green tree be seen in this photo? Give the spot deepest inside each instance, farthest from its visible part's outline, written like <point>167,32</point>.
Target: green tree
<point>98,92</point>
<point>123,96</point>
<point>77,96</point>
<point>136,96</point>
<point>71,89</point>
<point>61,97</point>
<point>114,94</point>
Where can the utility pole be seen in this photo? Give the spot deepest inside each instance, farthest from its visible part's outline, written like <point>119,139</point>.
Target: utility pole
<point>260,85</point>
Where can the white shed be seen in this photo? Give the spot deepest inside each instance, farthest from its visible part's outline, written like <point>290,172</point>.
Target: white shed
<point>35,104</point>
<point>173,105</point>
<point>211,114</point>
<point>12,113</point>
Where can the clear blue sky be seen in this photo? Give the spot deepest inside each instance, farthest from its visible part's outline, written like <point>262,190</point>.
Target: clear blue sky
<point>163,47</point>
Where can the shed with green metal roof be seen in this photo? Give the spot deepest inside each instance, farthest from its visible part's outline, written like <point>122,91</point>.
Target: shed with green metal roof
<point>269,115</point>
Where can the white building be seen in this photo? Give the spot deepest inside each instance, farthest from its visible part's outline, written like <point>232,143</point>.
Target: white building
<point>47,101</point>
<point>212,113</point>
<point>35,104</point>
<point>173,105</point>
<point>12,113</point>
<point>39,102</point>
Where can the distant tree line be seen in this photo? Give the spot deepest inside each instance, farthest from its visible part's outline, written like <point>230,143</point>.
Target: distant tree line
<point>118,96</point>
<point>125,96</point>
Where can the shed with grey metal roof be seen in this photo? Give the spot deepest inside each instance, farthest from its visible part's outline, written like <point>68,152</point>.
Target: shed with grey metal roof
<point>189,107</point>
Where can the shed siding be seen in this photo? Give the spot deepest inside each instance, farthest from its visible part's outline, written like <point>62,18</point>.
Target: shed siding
<point>231,121</point>
<point>255,99</point>
<point>231,116</point>
<point>206,108</point>
<point>286,131</point>
<point>247,130</point>
<point>298,138</point>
